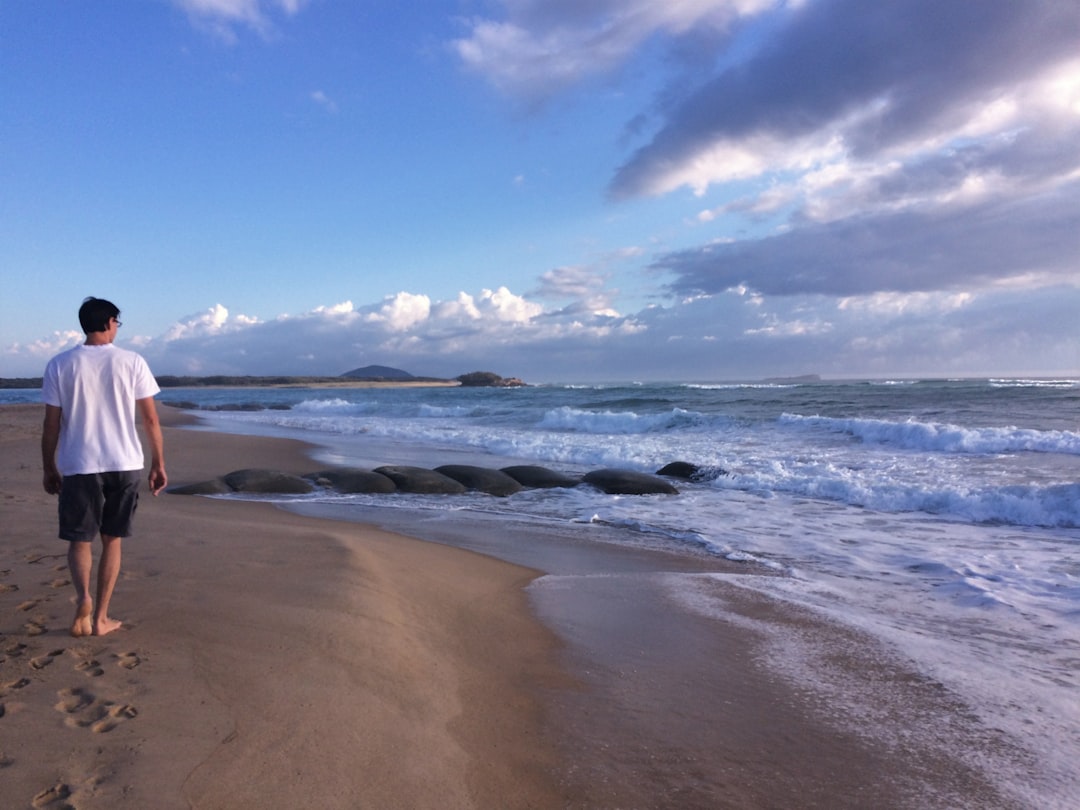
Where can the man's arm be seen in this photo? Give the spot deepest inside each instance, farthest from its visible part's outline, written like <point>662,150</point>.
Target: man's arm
<point>152,426</point>
<point>50,439</point>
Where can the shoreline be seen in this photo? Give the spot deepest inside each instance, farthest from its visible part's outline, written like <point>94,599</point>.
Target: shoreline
<point>332,663</point>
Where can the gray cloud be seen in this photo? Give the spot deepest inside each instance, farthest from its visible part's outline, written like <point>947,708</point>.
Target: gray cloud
<point>915,250</point>
<point>878,73</point>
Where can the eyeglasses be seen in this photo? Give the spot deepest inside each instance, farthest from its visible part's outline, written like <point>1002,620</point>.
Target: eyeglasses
<point>118,324</point>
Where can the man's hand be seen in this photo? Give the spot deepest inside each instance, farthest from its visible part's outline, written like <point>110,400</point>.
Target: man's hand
<point>52,480</point>
<point>158,480</point>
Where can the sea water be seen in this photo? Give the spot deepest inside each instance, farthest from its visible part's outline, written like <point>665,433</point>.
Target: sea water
<point>941,516</point>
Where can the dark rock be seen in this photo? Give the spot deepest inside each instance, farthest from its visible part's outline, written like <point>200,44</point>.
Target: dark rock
<point>267,481</point>
<point>679,469</point>
<point>349,480</point>
<point>215,487</point>
<point>529,475</point>
<point>691,472</point>
<point>482,479</point>
<point>419,480</point>
<point>628,482</point>
<point>487,379</point>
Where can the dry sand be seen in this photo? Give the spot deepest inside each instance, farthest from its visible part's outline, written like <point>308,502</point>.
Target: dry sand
<point>273,660</point>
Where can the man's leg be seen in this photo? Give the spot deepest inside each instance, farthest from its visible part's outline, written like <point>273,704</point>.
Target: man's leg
<point>80,563</point>
<point>108,573</point>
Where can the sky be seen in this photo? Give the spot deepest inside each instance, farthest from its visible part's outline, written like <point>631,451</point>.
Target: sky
<point>559,190</point>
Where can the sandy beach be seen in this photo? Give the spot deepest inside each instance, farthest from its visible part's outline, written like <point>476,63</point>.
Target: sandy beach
<point>276,660</point>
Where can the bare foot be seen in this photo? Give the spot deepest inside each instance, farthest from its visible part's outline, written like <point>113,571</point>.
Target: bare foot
<point>82,625</point>
<point>104,625</point>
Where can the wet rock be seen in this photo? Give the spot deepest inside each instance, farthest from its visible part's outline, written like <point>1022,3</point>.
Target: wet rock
<point>690,472</point>
<point>420,480</point>
<point>628,482</point>
<point>481,479</point>
<point>529,475</point>
<point>215,486</point>
<point>268,482</point>
<point>350,480</point>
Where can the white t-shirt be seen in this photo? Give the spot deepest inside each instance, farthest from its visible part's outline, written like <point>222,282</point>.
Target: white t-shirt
<point>96,388</point>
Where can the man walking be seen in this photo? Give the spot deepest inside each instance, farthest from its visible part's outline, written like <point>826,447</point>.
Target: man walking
<point>92,456</point>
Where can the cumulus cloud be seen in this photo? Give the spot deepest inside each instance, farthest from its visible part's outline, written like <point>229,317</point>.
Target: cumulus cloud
<point>402,311</point>
<point>37,352</point>
<point>735,333</point>
<point>214,321</point>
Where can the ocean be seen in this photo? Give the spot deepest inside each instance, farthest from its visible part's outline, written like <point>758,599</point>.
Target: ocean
<point>940,516</point>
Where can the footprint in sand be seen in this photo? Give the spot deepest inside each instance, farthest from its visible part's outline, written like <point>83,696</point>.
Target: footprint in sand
<point>90,667</point>
<point>29,604</point>
<point>85,710</point>
<point>128,660</point>
<point>60,582</point>
<point>13,650</point>
<point>8,588</point>
<point>33,628</point>
<point>19,683</point>
<point>43,661</point>
<point>50,796</point>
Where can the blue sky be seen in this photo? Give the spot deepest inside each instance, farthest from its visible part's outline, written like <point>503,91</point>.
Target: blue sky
<point>562,190</point>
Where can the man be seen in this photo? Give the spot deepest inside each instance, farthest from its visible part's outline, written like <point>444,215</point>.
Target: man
<point>92,456</point>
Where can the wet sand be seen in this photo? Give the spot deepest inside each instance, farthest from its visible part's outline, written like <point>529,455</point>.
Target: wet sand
<point>274,659</point>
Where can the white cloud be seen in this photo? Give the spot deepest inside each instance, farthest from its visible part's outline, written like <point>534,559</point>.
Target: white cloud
<point>44,348</point>
<point>345,308</point>
<point>539,50</point>
<point>507,307</point>
<point>215,320</point>
<point>402,311</point>
<point>324,101</point>
<point>221,16</point>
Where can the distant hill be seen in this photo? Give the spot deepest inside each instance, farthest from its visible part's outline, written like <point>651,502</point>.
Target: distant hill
<point>378,373</point>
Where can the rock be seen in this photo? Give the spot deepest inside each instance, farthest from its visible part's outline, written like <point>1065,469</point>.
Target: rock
<point>529,475</point>
<point>214,487</point>
<point>349,480</point>
<point>690,472</point>
<point>482,479</point>
<point>628,482</point>
<point>267,481</point>
<point>488,379</point>
<point>419,480</point>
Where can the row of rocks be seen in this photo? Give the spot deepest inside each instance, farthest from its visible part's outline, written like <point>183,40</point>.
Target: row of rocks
<point>450,479</point>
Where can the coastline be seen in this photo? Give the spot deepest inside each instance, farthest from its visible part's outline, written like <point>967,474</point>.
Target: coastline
<point>316,661</point>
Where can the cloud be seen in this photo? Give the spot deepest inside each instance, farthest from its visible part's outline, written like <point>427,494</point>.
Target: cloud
<point>221,17</point>
<point>542,48</point>
<point>37,353</point>
<point>865,80</point>
<point>324,101</point>
<point>1035,239</point>
<point>214,321</point>
<point>402,311</point>
<point>736,333</point>
<point>585,287</point>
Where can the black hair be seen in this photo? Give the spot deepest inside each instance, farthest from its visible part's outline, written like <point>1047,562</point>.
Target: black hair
<point>95,314</point>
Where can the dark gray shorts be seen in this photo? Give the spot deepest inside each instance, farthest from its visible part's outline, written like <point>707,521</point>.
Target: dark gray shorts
<point>99,503</point>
